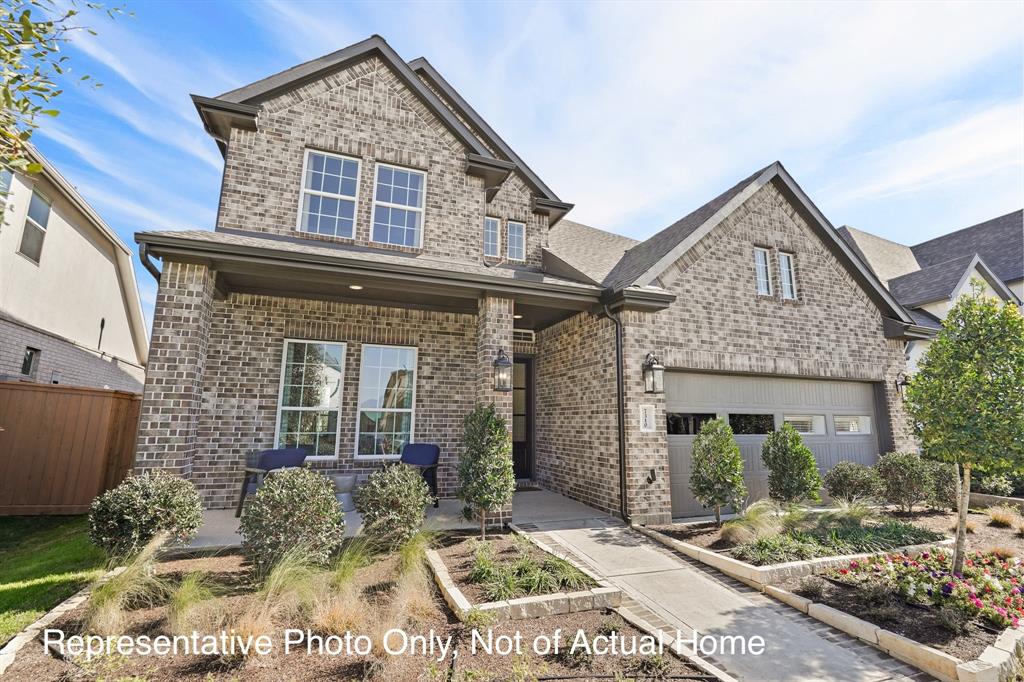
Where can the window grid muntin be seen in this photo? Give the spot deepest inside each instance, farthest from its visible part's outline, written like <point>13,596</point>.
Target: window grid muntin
<point>326,417</point>
<point>345,205</point>
<point>786,276</point>
<point>516,241</point>
<point>389,416</point>
<point>492,237</point>
<point>762,272</point>
<point>408,228</point>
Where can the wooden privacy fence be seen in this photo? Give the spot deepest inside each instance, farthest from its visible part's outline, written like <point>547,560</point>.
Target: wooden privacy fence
<point>61,446</point>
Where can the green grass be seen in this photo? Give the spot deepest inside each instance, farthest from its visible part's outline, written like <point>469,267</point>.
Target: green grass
<point>43,560</point>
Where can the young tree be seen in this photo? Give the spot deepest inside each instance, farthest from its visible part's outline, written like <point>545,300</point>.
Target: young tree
<point>486,478</point>
<point>967,398</point>
<point>792,470</point>
<point>717,476</point>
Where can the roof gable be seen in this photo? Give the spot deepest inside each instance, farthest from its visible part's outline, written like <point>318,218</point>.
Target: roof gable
<point>999,241</point>
<point>943,280</point>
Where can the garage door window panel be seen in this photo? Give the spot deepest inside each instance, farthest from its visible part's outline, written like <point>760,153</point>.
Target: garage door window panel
<point>687,423</point>
<point>847,425</point>
<point>807,424</point>
<point>752,424</point>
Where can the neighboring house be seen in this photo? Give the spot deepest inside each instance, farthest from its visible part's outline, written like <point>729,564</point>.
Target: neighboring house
<point>69,305</point>
<point>928,278</point>
<point>378,247</point>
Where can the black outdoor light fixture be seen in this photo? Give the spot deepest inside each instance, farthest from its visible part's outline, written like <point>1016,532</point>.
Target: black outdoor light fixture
<point>654,374</point>
<point>902,381</point>
<point>502,372</point>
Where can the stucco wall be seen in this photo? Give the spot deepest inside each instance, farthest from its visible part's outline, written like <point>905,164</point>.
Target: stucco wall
<point>364,111</point>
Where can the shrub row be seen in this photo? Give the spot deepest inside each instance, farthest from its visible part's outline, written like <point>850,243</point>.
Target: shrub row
<point>899,478</point>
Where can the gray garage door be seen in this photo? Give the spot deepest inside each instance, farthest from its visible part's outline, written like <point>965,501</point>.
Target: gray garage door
<point>836,418</point>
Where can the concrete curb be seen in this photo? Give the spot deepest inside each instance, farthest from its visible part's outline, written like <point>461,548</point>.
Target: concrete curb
<point>981,501</point>
<point>12,647</point>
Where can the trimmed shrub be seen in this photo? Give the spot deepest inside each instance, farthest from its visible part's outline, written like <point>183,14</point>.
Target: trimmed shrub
<point>905,479</point>
<point>792,470</point>
<point>717,476</point>
<point>849,481</point>
<point>393,503</point>
<point>486,478</point>
<point>997,484</point>
<point>293,511</point>
<point>124,519</point>
<point>943,485</point>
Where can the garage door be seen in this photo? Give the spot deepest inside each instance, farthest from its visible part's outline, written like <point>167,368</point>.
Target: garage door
<point>836,419</point>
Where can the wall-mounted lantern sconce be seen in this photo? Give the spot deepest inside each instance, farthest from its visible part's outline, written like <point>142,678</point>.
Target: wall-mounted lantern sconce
<point>654,374</point>
<point>502,372</point>
<point>902,381</point>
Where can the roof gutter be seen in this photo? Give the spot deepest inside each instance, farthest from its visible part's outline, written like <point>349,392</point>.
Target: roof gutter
<point>620,390</point>
<point>146,262</point>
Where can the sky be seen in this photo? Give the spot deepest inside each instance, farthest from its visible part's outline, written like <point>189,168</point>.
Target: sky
<point>902,119</point>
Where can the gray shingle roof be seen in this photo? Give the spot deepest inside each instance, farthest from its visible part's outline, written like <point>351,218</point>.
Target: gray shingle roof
<point>932,283</point>
<point>646,254</point>
<point>886,258</point>
<point>923,318</point>
<point>999,242</point>
<point>591,251</point>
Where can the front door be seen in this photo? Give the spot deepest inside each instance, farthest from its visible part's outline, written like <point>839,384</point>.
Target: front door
<point>522,418</point>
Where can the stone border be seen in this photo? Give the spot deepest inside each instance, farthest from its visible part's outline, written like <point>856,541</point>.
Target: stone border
<point>8,652</point>
<point>998,662</point>
<point>759,576</point>
<point>604,596</point>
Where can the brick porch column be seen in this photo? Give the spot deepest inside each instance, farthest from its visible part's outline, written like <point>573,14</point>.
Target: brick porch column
<point>174,374</point>
<point>494,333</point>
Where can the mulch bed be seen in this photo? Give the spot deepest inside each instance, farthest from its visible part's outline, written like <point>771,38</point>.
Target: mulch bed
<point>703,535</point>
<point>918,623</point>
<point>983,538</point>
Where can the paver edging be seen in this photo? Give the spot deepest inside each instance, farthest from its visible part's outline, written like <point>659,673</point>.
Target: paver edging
<point>603,596</point>
<point>997,663</point>
<point>759,576</point>
<point>10,650</point>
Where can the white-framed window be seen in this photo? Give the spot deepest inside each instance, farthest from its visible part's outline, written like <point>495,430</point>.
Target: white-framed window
<point>312,380</point>
<point>34,232</point>
<point>762,272</point>
<point>852,425</point>
<point>786,276</point>
<point>808,424</point>
<point>492,237</point>
<point>398,197</point>
<point>330,186</point>
<point>387,401</point>
<point>516,241</point>
<point>5,183</point>
<point>30,362</point>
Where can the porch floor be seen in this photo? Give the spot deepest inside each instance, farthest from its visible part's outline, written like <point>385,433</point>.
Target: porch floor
<point>219,532</point>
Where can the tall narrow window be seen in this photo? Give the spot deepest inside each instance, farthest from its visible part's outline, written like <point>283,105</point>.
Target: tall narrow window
<point>311,385</point>
<point>387,395</point>
<point>5,183</point>
<point>30,362</point>
<point>330,185</point>
<point>35,227</point>
<point>398,206</point>
<point>786,276</point>
<point>492,238</point>
<point>516,241</point>
<point>764,280</point>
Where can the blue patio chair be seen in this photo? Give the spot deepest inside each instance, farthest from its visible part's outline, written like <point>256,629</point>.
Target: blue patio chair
<point>424,456</point>
<point>267,461</point>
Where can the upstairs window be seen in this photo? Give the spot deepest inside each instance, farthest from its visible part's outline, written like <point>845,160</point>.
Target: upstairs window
<point>30,362</point>
<point>492,238</point>
<point>35,228</point>
<point>516,241</point>
<point>329,188</point>
<point>787,277</point>
<point>5,183</point>
<point>764,280</point>
<point>398,206</point>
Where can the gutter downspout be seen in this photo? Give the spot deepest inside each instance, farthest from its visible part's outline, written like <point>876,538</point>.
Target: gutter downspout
<point>620,390</point>
<point>146,262</point>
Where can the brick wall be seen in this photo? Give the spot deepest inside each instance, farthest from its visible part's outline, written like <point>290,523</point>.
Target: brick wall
<point>577,451</point>
<point>77,366</point>
<point>364,111</point>
<point>494,333</point>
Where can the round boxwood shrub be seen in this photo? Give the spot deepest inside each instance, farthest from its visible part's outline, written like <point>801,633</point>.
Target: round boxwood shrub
<point>792,470</point>
<point>294,509</point>
<point>906,479</point>
<point>393,503</point>
<point>997,484</point>
<point>123,519</point>
<point>849,480</point>
<point>942,485</point>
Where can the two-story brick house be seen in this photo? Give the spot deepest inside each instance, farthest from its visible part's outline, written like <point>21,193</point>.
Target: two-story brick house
<point>378,247</point>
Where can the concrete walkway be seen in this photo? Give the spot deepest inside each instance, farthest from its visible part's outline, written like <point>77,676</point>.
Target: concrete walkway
<point>674,593</point>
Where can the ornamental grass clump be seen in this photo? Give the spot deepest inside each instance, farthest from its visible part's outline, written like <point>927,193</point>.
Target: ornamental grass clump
<point>1002,516</point>
<point>393,504</point>
<point>126,518</point>
<point>761,519</point>
<point>189,608</point>
<point>792,470</point>
<point>294,512</point>
<point>135,585</point>
<point>716,478</point>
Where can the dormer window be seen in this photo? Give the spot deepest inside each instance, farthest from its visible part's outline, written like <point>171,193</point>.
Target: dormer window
<point>398,206</point>
<point>516,241</point>
<point>787,277</point>
<point>330,184</point>
<point>761,272</point>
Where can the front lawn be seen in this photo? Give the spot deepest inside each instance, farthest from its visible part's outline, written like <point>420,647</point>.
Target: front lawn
<point>43,560</point>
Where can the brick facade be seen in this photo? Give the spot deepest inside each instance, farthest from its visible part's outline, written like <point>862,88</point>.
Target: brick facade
<point>494,333</point>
